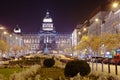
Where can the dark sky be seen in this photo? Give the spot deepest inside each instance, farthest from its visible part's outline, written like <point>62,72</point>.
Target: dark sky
<point>28,14</point>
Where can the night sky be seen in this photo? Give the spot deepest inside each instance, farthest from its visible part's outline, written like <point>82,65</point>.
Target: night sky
<point>28,14</point>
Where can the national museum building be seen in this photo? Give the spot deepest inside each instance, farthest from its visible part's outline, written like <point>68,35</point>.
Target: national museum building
<point>47,40</point>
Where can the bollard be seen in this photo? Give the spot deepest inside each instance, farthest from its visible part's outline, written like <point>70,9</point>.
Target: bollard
<point>116,69</point>
<point>96,65</point>
<point>102,67</point>
<point>108,67</point>
<point>92,66</point>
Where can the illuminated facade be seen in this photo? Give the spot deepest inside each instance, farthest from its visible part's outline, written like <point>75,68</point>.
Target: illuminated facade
<point>47,40</point>
<point>108,22</point>
<point>112,22</point>
<point>96,23</point>
<point>13,43</point>
<point>100,23</point>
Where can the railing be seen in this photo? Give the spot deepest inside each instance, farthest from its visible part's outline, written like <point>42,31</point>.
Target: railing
<point>108,68</point>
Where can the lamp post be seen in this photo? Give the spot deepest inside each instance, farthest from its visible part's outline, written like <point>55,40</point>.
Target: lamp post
<point>9,41</point>
<point>102,46</point>
<point>98,22</point>
<point>1,31</point>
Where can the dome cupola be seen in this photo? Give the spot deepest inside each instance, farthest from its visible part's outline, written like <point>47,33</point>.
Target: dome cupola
<point>47,17</point>
<point>17,30</point>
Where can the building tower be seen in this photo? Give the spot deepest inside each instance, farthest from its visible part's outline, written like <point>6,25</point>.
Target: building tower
<point>47,34</point>
<point>47,24</point>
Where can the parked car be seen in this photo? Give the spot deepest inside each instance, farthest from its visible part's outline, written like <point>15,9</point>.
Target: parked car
<point>107,60</point>
<point>97,59</point>
<point>115,59</point>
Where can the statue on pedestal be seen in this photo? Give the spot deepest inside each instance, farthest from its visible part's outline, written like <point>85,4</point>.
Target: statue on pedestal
<point>46,49</point>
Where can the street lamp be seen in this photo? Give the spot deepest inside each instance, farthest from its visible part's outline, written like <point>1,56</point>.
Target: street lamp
<point>4,32</point>
<point>10,35</point>
<point>84,29</point>
<point>96,20</point>
<point>79,33</point>
<point>115,4</point>
<point>2,28</point>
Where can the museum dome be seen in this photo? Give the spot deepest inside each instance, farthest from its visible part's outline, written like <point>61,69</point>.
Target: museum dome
<point>47,17</point>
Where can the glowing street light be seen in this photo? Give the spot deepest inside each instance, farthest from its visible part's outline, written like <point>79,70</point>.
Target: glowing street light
<point>4,32</point>
<point>10,35</point>
<point>79,33</point>
<point>115,4</point>
<point>84,29</point>
<point>2,28</point>
<point>96,20</point>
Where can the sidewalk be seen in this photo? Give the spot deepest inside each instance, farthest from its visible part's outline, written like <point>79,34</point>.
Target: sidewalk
<point>105,68</point>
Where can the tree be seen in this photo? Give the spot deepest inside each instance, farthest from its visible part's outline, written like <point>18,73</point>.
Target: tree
<point>72,49</point>
<point>16,48</point>
<point>84,43</point>
<point>93,42</point>
<point>111,41</point>
<point>118,38</point>
<point>3,46</point>
<point>25,48</point>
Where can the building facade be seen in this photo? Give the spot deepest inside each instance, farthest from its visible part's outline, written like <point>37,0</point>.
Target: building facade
<point>103,21</point>
<point>47,40</point>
